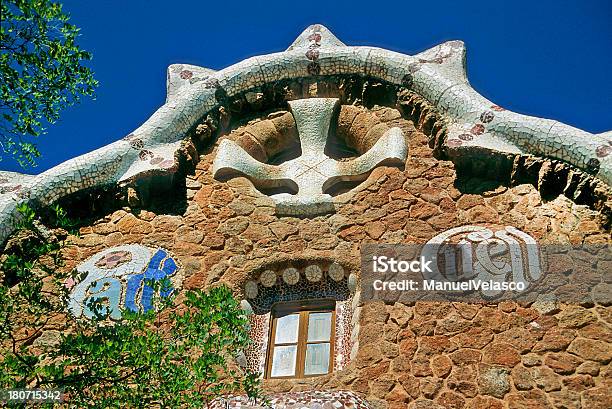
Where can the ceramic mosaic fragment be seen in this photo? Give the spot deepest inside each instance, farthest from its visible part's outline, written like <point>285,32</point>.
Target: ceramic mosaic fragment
<point>118,279</point>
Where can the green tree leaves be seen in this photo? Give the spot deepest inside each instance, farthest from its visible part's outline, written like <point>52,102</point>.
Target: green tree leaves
<point>41,73</point>
<point>179,354</point>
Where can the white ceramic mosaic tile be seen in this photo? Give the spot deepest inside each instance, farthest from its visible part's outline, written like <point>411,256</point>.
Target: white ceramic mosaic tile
<point>438,74</point>
<point>297,400</point>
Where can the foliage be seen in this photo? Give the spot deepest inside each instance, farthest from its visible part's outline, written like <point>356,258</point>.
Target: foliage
<point>168,357</point>
<point>41,73</point>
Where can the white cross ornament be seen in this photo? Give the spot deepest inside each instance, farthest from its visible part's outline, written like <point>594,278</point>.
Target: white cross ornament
<point>313,173</point>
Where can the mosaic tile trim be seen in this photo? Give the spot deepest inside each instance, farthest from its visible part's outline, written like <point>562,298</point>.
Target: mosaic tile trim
<point>292,284</point>
<point>314,281</point>
<point>437,74</point>
<point>180,76</point>
<point>344,330</point>
<point>118,276</point>
<point>13,183</point>
<point>298,400</point>
<point>256,352</point>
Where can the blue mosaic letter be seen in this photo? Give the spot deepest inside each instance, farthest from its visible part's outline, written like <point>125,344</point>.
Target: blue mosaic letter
<point>155,271</point>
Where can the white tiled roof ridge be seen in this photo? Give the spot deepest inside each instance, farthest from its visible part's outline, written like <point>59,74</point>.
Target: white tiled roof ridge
<point>437,74</point>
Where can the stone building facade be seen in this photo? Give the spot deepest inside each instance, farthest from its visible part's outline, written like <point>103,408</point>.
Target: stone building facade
<point>301,159</point>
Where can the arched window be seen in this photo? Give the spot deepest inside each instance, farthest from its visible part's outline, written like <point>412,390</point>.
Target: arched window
<point>301,339</point>
<point>303,317</point>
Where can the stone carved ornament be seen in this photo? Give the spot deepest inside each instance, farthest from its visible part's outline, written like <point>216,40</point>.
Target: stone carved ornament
<point>313,172</point>
<point>437,74</point>
<point>508,254</point>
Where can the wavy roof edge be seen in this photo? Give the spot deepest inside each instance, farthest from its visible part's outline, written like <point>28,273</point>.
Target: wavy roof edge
<point>437,74</point>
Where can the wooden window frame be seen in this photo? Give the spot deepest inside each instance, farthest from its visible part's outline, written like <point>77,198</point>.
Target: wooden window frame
<point>303,308</point>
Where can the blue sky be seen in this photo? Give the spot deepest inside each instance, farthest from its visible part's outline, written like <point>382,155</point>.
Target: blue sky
<point>546,58</point>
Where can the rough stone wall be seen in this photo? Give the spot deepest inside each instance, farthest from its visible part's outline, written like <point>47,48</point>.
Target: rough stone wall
<point>428,355</point>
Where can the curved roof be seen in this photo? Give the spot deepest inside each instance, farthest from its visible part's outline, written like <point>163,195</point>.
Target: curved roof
<point>437,74</point>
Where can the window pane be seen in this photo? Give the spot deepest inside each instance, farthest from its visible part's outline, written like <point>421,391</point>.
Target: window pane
<point>317,359</point>
<point>283,361</point>
<point>319,326</point>
<point>287,329</point>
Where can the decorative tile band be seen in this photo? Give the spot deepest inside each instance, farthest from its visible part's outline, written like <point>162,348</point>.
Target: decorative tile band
<point>118,278</point>
<point>344,330</point>
<point>320,280</point>
<point>298,400</point>
<point>257,351</point>
<point>437,74</point>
